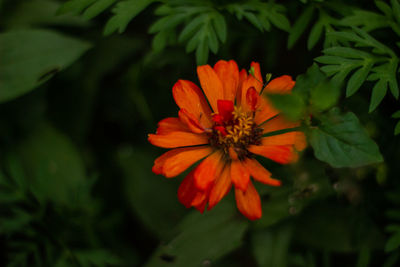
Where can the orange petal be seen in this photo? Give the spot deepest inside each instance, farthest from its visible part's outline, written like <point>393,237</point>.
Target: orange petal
<point>252,98</point>
<point>242,78</point>
<point>248,202</point>
<point>281,85</point>
<point>228,73</point>
<point>259,173</point>
<point>288,138</point>
<point>265,111</point>
<point>240,176</point>
<point>280,154</point>
<point>189,96</point>
<point>207,171</point>
<point>300,142</point>
<point>220,189</point>
<point>190,121</point>
<point>211,85</point>
<point>278,123</point>
<point>174,162</point>
<point>169,125</point>
<point>178,139</point>
<point>189,195</point>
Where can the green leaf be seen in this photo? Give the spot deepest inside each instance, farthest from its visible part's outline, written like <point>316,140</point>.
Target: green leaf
<point>368,20</point>
<point>324,95</point>
<point>385,8</point>
<point>192,27</point>
<point>292,105</point>
<point>220,27</point>
<point>31,57</point>
<point>378,93</point>
<point>124,12</point>
<point>396,115</point>
<point>152,198</point>
<point>396,9</point>
<point>393,243</point>
<point>167,22</point>
<point>202,238</point>
<point>358,78</point>
<point>202,53</point>
<point>75,6</point>
<point>315,34</point>
<point>300,26</point>
<point>56,173</point>
<point>397,128</point>
<point>97,8</point>
<point>341,141</point>
<point>279,20</point>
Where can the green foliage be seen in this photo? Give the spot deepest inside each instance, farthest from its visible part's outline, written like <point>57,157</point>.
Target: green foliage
<point>48,53</point>
<point>341,141</point>
<point>396,115</point>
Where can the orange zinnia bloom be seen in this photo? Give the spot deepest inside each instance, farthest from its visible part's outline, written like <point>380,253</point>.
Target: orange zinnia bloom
<point>226,136</point>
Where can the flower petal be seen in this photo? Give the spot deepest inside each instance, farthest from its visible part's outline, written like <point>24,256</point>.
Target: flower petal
<point>221,187</point>
<point>242,78</point>
<point>278,123</point>
<point>288,138</point>
<point>281,85</point>
<point>264,111</point>
<point>225,109</point>
<point>208,170</point>
<point>252,98</point>
<point>190,121</point>
<point>189,195</point>
<point>280,154</point>
<point>177,139</point>
<point>240,176</point>
<point>211,85</point>
<point>248,202</point>
<point>300,142</point>
<point>228,73</point>
<point>174,162</point>
<point>189,96</point>
<point>259,173</point>
<point>253,80</point>
<point>169,125</point>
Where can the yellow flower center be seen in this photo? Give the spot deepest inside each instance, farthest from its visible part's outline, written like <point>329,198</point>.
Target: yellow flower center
<point>238,133</point>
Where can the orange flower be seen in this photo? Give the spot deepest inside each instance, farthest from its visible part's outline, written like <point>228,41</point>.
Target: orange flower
<point>225,133</point>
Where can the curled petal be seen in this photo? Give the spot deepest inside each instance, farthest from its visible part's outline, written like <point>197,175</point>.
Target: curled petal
<point>178,139</point>
<point>189,96</point>
<point>221,187</point>
<point>228,73</point>
<point>208,170</point>
<point>239,175</point>
<point>242,78</point>
<point>252,98</point>
<point>211,84</point>
<point>280,154</point>
<point>191,122</point>
<point>281,85</point>
<point>174,162</point>
<point>248,202</point>
<point>259,173</point>
<point>169,125</point>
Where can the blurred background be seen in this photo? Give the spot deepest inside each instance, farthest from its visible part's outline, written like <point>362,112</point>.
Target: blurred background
<point>76,105</point>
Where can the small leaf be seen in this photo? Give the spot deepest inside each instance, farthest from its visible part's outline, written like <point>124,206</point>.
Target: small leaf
<point>74,6</point>
<point>192,27</point>
<point>393,243</point>
<point>97,8</point>
<point>358,78</point>
<point>315,34</point>
<point>341,141</point>
<point>378,93</point>
<point>220,27</point>
<point>396,115</point>
<point>202,53</point>
<point>280,21</point>
<point>212,40</point>
<point>124,12</point>
<point>397,128</point>
<point>300,26</point>
<point>385,8</point>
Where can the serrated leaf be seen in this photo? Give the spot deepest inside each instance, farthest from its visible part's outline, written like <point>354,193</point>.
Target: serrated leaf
<point>393,242</point>
<point>346,52</point>
<point>366,19</point>
<point>385,8</point>
<point>74,6</point>
<point>167,22</point>
<point>397,128</point>
<point>220,27</point>
<point>160,41</point>
<point>97,8</point>
<point>253,20</point>
<point>280,21</point>
<point>341,141</point>
<point>48,53</point>
<point>194,41</point>
<point>396,115</point>
<point>212,40</point>
<point>202,53</point>
<point>315,34</point>
<point>192,27</point>
<point>300,26</point>
<point>358,78</point>
<point>124,12</point>
<point>396,9</point>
